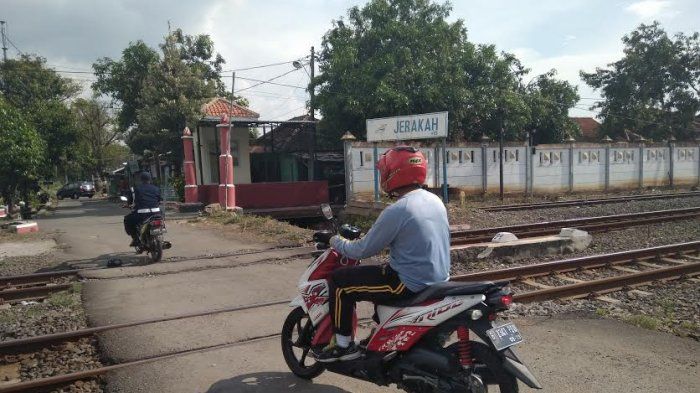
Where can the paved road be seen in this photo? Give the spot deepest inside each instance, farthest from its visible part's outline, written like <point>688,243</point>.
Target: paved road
<point>92,231</point>
<point>567,354</point>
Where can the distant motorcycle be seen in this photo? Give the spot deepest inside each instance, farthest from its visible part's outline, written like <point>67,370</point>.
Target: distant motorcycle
<point>151,233</point>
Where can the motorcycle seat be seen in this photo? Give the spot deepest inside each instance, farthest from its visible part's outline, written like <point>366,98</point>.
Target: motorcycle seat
<point>440,290</point>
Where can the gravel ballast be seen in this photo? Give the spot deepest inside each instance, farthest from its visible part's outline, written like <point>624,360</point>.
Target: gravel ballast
<point>60,312</point>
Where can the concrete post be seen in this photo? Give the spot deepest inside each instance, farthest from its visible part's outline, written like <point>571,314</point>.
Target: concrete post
<point>607,142</point>
<point>527,164</point>
<point>347,139</point>
<point>191,189</point>
<point>227,191</point>
<point>571,141</point>
<point>641,163</point>
<point>484,164</point>
<point>671,149</point>
<point>697,140</point>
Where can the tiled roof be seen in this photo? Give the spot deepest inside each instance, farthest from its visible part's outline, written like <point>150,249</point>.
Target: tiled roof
<point>589,128</point>
<point>218,107</point>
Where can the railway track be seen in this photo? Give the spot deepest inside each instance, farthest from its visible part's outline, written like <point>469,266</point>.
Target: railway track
<point>583,202</point>
<point>37,286</point>
<point>590,224</point>
<point>670,261</point>
<point>40,285</point>
<point>603,273</point>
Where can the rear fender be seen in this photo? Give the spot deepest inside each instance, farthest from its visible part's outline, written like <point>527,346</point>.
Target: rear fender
<point>515,366</point>
<point>511,362</point>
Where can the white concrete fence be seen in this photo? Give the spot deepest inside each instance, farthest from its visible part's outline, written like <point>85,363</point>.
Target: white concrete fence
<point>474,167</point>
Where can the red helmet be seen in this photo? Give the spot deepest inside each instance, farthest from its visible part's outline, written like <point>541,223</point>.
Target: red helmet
<point>401,166</point>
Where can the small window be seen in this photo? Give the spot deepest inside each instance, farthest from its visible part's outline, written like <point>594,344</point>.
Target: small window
<point>517,155</point>
<point>460,156</point>
<point>447,156</point>
<point>471,156</point>
<point>494,156</point>
<point>361,159</point>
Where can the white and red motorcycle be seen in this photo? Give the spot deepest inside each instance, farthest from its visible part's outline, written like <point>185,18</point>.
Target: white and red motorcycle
<point>409,347</point>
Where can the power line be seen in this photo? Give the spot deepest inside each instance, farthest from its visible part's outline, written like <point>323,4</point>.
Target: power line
<point>288,112</point>
<point>262,66</point>
<point>272,83</point>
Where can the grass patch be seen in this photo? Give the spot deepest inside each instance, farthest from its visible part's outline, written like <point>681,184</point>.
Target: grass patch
<point>264,226</point>
<point>602,312</point>
<point>69,298</point>
<point>362,222</point>
<point>644,321</point>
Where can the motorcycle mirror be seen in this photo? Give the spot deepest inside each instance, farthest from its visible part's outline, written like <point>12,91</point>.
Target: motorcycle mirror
<point>123,198</point>
<point>327,211</point>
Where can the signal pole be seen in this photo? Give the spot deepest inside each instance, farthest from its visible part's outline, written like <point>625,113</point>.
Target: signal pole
<point>4,40</point>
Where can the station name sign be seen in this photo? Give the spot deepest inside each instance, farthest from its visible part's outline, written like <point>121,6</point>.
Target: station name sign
<point>424,126</point>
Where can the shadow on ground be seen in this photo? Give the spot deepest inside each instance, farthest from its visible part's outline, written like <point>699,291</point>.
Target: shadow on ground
<point>126,258</point>
<point>270,382</point>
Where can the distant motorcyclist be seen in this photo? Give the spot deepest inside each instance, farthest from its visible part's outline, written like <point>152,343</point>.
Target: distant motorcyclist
<point>146,199</point>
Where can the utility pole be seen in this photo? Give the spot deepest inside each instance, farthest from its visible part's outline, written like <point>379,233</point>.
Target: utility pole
<point>312,150</point>
<point>4,40</point>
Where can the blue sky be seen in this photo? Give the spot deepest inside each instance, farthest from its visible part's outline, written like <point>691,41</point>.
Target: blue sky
<point>568,35</point>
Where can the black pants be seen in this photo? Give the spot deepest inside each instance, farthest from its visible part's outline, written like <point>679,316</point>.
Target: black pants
<point>349,285</point>
<point>132,221</point>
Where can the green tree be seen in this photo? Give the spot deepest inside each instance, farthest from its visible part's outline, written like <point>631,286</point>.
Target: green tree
<point>123,80</point>
<point>394,57</point>
<point>40,94</point>
<point>549,100</point>
<point>98,135</point>
<point>184,78</point>
<point>22,152</point>
<point>161,93</point>
<point>654,90</point>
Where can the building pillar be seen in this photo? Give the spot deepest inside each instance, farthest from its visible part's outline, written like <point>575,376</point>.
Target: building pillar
<point>191,190</point>
<point>227,191</point>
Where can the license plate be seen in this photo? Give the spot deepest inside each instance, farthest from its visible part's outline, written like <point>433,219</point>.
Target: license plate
<point>156,232</point>
<point>504,336</point>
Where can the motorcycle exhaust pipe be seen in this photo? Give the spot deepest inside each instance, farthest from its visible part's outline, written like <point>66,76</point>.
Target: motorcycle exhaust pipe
<point>430,361</point>
<point>167,245</point>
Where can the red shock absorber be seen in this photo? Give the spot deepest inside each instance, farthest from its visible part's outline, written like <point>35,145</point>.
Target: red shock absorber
<point>464,346</point>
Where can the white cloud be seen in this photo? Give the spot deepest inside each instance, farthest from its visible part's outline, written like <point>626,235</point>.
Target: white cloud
<point>648,8</point>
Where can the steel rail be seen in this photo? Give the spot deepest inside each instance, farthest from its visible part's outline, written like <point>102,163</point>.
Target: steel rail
<point>31,293</point>
<point>34,278</point>
<point>601,223</point>
<point>610,284</point>
<point>582,202</point>
<point>22,345</point>
<point>43,383</point>
<point>588,262</point>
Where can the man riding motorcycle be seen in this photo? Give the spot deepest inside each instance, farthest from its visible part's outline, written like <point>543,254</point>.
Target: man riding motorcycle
<point>146,199</point>
<point>415,228</point>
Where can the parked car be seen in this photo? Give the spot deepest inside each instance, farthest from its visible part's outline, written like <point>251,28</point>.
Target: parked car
<point>76,189</point>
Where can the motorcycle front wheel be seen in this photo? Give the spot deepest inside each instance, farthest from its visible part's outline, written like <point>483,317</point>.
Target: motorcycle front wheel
<point>297,333</point>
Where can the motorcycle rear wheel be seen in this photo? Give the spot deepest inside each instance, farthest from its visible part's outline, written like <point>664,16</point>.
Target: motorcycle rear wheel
<point>297,333</point>
<point>490,359</point>
<point>156,250</point>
